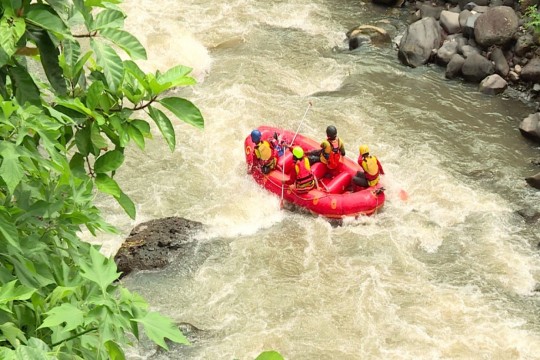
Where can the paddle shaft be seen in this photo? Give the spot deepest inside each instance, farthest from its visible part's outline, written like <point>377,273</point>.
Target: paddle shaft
<point>292,142</point>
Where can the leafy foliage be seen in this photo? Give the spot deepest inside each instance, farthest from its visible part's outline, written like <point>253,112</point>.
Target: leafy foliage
<point>533,18</point>
<point>67,114</point>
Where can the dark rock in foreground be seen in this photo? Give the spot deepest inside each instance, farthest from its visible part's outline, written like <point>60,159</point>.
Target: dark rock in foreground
<point>150,245</point>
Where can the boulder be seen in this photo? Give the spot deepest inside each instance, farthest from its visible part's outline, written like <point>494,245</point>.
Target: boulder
<point>496,26</point>
<point>530,127</point>
<point>420,40</point>
<point>152,244</point>
<point>501,65</point>
<point>476,68</point>
<point>446,52</point>
<point>493,85</point>
<point>450,22</point>
<point>534,181</point>
<point>531,71</point>
<point>453,69</point>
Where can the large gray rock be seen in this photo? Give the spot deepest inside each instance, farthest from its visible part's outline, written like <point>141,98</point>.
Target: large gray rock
<point>501,64</point>
<point>524,44</point>
<point>453,69</point>
<point>450,22</point>
<point>476,68</point>
<point>446,52</point>
<point>497,26</point>
<point>469,22</point>
<point>493,85</point>
<point>530,127</point>
<point>420,40</point>
<point>152,244</point>
<point>534,181</point>
<point>531,71</point>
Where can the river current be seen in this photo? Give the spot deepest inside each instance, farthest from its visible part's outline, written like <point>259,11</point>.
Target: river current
<point>449,273</point>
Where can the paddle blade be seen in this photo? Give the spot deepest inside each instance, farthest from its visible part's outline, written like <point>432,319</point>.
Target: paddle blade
<point>403,195</point>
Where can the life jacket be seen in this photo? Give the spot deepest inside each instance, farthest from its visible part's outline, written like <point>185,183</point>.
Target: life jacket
<point>305,181</point>
<point>266,154</point>
<point>331,154</point>
<point>371,169</point>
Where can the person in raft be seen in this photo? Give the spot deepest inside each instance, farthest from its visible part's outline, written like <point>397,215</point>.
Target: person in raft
<point>332,149</point>
<point>265,154</point>
<point>302,178</point>
<point>372,169</point>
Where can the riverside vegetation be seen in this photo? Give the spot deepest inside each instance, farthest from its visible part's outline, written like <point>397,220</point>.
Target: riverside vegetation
<point>68,111</point>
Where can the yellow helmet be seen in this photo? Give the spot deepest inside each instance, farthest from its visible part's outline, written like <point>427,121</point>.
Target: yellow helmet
<point>298,152</point>
<point>364,150</point>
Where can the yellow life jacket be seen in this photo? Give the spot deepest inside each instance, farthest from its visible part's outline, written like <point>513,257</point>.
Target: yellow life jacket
<point>371,170</point>
<point>263,150</point>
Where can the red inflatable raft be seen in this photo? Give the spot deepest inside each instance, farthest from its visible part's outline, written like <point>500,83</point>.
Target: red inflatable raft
<point>334,198</point>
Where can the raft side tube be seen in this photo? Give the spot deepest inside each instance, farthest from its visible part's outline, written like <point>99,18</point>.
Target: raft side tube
<point>339,183</point>
<point>318,170</point>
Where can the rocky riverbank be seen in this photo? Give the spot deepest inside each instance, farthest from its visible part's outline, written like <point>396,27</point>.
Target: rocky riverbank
<point>488,42</point>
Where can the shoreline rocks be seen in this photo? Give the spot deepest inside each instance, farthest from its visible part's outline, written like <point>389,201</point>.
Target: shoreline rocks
<point>480,41</point>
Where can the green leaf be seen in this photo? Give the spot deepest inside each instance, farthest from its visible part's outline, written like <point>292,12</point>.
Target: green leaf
<point>164,125</point>
<point>177,76</point>
<point>97,140</point>
<point>60,293</point>
<point>11,30</point>
<point>115,352</point>
<point>269,355</point>
<point>11,170</point>
<point>126,204</point>
<point>108,185</point>
<point>133,69</point>
<point>108,19</point>
<point>8,292</point>
<point>93,94</point>
<point>45,17</point>
<point>78,69</point>
<point>143,127</point>
<point>25,88</point>
<point>109,161</point>
<point>83,141</point>
<point>126,41</point>
<point>158,327</point>
<point>49,59</point>
<point>101,270</point>
<point>9,231</point>
<point>184,110</point>
<point>35,349</point>
<point>110,62</point>
<point>71,50</point>
<point>65,313</point>
<point>12,333</point>
<point>136,136</point>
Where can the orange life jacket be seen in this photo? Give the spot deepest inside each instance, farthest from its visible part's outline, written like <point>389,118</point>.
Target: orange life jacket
<point>371,170</point>
<point>304,177</point>
<point>331,154</point>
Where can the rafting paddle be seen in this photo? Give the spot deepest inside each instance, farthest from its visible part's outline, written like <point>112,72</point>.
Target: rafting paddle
<point>283,166</point>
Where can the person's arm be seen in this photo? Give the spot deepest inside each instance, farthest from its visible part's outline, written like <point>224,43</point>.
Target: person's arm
<point>326,155</point>
<point>381,171</point>
<point>341,148</point>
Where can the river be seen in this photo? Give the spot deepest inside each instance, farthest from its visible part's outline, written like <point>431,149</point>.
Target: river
<point>449,273</point>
